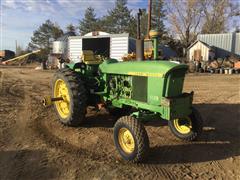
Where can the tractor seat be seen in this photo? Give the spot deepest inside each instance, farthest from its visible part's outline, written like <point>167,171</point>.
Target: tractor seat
<point>88,57</point>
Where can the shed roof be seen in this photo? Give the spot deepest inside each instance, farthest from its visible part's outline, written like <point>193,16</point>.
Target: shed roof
<point>195,42</point>
<point>100,36</point>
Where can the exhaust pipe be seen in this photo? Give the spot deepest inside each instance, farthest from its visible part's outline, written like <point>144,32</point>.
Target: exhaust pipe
<point>139,41</point>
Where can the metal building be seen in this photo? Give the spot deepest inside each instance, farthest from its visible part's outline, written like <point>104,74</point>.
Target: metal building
<point>60,46</point>
<point>224,44</point>
<point>101,43</point>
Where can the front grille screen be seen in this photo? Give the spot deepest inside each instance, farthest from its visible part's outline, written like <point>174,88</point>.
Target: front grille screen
<point>140,89</point>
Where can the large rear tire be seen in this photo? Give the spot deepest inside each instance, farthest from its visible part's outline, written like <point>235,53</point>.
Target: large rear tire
<point>188,128</point>
<point>71,110</point>
<point>131,139</point>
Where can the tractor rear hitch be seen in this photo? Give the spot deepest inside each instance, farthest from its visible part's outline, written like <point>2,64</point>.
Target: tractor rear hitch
<point>48,100</point>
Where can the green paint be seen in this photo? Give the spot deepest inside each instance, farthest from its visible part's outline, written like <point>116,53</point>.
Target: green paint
<point>155,48</point>
<point>70,65</point>
<point>151,87</point>
<point>151,67</point>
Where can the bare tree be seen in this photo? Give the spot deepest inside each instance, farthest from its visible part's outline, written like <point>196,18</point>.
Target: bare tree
<point>217,14</point>
<point>184,18</point>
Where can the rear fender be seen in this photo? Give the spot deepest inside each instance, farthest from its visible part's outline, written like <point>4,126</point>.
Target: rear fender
<point>177,107</point>
<point>75,66</point>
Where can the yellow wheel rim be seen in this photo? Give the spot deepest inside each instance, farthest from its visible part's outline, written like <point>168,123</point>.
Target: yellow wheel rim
<point>183,125</point>
<point>61,90</point>
<point>126,140</point>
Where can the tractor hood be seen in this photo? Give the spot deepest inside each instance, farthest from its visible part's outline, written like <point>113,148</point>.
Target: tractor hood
<point>141,68</point>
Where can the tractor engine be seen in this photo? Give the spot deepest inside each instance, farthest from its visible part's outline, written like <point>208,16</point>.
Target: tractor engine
<point>120,86</point>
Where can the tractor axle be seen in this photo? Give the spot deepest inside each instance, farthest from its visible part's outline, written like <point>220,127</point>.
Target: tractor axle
<point>48,100</point>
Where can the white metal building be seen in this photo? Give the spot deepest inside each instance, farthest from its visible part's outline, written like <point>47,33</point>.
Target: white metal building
<point>101,43</point>
<point>200,51</point>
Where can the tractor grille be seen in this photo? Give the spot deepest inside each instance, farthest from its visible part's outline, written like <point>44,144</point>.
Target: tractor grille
<point>140,89</point>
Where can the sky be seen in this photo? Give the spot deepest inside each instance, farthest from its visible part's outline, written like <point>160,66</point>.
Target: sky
<point>19,18</point>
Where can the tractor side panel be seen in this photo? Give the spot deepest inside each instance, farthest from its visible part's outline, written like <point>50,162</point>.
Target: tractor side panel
<point>155,90</point>
<point>174,85</point>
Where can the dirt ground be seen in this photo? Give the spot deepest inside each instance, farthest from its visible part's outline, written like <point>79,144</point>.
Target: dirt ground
<point>34,145</point>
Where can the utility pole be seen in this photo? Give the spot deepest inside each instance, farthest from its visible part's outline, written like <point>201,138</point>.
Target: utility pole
<point>149,16</point>
<point>139,14</point>
<point>16,48</point>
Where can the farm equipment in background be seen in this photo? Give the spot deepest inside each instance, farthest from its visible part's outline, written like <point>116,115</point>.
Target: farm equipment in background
<point>148,49</point>
<point>19,59</point>
<point>148,45</point>
<point>6,54</point>
<point>129,57</point>
<point>136,91</point>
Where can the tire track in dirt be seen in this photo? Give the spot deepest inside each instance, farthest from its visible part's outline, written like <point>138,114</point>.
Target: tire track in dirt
<point>55,142</point>
<point>25,164</point>
<point>17,91</point>
<point>1,81</point>
<point>161,172</point>
<point>17,168</point>
<point>7,110</point>
<point>39,126</point>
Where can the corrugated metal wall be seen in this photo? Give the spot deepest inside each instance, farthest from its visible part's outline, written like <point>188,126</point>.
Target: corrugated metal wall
<point>119,47</point>
<point>225,44</point>
<point>237,47</point>
<point>74,49</point>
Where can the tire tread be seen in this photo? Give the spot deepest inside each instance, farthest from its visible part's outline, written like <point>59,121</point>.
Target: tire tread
<point>78,96</point>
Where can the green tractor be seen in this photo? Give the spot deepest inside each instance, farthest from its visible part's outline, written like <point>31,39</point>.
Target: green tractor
<point>137,91</point>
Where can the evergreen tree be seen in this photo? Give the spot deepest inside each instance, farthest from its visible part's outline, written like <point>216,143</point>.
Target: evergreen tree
<point>89,23</point>
<point>71,29</point>
<point>120,20</point>
<point>158,15</point>
<point>144,23</point>
<point>43,36</point>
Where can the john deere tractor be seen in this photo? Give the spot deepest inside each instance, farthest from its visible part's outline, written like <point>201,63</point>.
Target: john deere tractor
<point>137,91</point>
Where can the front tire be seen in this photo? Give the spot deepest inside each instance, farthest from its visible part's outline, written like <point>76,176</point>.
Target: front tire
<point>131,139</point>
<point>71,110</point>
<point>188,128</point>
